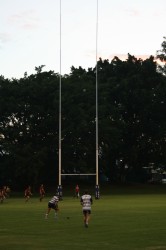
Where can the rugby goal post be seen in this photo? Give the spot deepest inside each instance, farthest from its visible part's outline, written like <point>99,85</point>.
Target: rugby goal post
<point>59,189</point>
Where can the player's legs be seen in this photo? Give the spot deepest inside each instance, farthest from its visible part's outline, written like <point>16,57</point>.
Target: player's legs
<point>56,212</point>
<point>87,218</point>
<point>48,210</point>
<point>86,214</point>
<point>27,198</point>
<point>51,206</point>
<point>41,197</point>
<point>84,218</point>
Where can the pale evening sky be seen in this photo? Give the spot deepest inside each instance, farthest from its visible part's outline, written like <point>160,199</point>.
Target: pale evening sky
<point>30,37</point>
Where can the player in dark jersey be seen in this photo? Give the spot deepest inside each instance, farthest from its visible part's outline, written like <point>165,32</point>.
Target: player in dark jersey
<point>77,191</point>
<point>2,197</point>
<point>27,193</point>
<point>41,192</point>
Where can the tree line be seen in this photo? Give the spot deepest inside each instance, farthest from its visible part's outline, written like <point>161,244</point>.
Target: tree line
<point>131,121</point>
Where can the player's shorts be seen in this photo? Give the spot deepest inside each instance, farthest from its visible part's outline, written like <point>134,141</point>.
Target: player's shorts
<point>86,212</point>
<point>53,206</point>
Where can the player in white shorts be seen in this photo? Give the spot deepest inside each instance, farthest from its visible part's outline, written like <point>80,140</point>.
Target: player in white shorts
<point>86,202</point>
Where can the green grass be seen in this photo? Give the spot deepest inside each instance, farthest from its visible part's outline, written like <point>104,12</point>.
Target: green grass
<point>118,222</point>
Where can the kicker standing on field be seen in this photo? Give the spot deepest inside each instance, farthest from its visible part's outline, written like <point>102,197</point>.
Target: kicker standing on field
<point>53,204</point>
<point>86,202</point>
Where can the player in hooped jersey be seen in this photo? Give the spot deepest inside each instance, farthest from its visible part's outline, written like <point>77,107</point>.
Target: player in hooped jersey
<point>86,202</point>
<point>53,204</point>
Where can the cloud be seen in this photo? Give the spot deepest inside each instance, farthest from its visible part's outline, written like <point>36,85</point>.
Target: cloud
<point>159,13</point>
<point>4,38</point>
<point>105,55</point>
<point>124,57</point>
<point>133,12</point>
<point>25,20</point>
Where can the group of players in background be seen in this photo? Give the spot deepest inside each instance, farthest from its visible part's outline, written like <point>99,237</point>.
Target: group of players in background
<point>85,200</point>
<point>28,193</point>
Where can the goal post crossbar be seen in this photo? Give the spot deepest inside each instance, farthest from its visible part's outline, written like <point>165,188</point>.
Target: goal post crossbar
<point>78,174</point>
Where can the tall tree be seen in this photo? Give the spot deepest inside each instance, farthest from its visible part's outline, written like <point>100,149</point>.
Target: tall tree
<point>161,55</point>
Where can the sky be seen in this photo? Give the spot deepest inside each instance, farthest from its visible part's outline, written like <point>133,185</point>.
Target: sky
<point>30,33</point>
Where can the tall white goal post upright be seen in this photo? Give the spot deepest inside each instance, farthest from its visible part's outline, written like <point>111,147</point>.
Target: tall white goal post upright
<point>59,189</point>
<point>97,192</point>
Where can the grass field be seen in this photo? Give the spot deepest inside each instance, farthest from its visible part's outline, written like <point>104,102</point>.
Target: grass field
<point>118,222</point>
